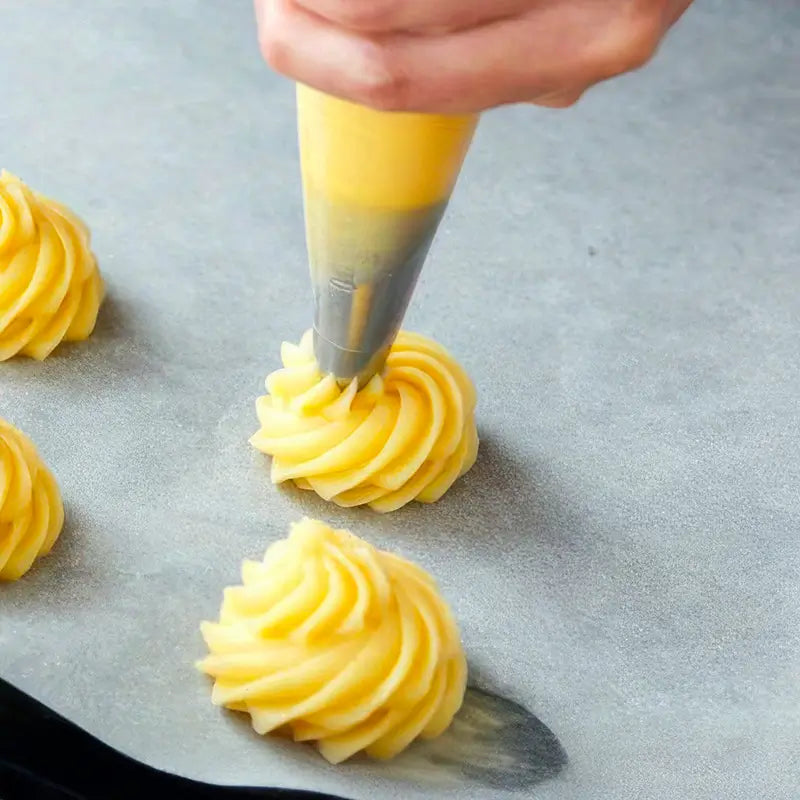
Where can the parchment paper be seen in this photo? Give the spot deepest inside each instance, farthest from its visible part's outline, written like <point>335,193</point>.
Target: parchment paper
<point>622,281</point>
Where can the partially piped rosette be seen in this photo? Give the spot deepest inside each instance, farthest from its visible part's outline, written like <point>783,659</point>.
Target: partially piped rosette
<point>407,434</point>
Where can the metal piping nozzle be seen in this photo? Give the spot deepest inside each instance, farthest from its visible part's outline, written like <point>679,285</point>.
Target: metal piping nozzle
<point>364,267</point>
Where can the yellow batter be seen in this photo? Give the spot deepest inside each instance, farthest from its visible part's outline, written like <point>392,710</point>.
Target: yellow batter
<point>31,512</point>
<point>333,641</point>
<point>50,287</point>
<point>408,434</point>
<point>376,159</point>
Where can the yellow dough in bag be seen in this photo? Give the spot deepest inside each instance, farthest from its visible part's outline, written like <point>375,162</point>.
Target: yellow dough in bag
<point>31,512</point>
<point>408,434</point>
<point>50,286</point>
<point>331,640</point>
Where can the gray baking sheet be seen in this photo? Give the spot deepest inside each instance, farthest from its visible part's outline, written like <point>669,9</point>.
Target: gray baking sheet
<point>621,280</point>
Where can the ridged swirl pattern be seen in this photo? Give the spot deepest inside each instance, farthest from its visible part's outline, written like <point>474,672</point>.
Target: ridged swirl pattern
<point>50,286</point>
<point>333,641</point>
<point>31,512</point>
<point>408,434</point>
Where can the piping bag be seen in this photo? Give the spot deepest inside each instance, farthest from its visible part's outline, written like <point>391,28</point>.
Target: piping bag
<point>375,187</point>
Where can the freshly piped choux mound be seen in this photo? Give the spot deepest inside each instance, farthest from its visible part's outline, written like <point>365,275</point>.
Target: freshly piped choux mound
<point>408,434</point>
<point>50,286</point>
<point>31,512</point>
<point>333,641</point>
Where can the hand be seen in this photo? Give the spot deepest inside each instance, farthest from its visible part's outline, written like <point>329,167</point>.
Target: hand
<point>460,55</point>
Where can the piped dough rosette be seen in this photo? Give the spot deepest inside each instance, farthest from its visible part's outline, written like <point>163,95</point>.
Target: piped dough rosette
<point>408,434</point>
<point>50,286</point>
<point>31,512</point>
<point>333,641</point>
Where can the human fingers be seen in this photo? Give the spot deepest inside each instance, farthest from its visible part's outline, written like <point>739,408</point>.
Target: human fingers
<point>560,46</point>
<point>312,51</point>
<point>390,72</point>
<point>392,16</point>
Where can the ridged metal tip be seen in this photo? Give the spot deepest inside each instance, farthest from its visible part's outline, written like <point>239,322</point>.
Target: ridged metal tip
<point>364,267</point>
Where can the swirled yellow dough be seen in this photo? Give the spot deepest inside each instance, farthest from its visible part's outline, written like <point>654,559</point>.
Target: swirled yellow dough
<point>31,512</point>
<point>50,287</point>
<point>333,641</point>
<point>408,434</point>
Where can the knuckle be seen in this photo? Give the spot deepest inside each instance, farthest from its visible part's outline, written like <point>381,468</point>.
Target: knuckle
<point>274,51</point>
<point>643,29</point>
<point>642,42</point>
<point>634,39</point>
<point>382,82</point>
<point>275,48</point>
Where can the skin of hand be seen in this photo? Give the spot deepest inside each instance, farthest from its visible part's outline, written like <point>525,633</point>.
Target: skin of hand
<point>455,56</point>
